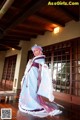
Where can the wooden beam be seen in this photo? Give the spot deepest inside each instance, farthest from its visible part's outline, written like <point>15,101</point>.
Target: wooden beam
<point>5,7</point>
<point>14,39</point>
<point>33,7</point>
<point>49,19</point>
<point>9,41</point>
<point>19,37</point>
<point>24,32</point>
<point>10,46</point>
<point>70,13</point>
<point>33,26</point>
<point>29,10</point>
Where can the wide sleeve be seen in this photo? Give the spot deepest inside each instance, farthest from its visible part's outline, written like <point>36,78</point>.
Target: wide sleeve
<point>46,88</point>
<point>26,70</point>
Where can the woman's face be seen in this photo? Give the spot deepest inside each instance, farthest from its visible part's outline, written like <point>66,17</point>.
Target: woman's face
<point>37,52</point>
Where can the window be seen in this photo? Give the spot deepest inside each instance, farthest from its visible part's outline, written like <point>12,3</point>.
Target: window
<point>8,71</point>
<point>76,68</point>
<point>63,60</point>
<point>61,68</point>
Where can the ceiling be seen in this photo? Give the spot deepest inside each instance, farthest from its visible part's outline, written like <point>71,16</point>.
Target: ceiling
<point>26,19</point>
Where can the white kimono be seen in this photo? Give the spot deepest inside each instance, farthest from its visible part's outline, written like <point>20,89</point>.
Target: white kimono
<point>32,89</point>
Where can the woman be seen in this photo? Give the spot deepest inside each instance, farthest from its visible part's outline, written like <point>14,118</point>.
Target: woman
<point>36,83</point>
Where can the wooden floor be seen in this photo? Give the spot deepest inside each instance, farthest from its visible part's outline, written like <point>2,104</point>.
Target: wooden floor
<point>70,112</point>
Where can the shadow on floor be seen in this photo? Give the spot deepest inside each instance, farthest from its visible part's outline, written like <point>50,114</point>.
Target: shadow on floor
<point>25,116</point>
